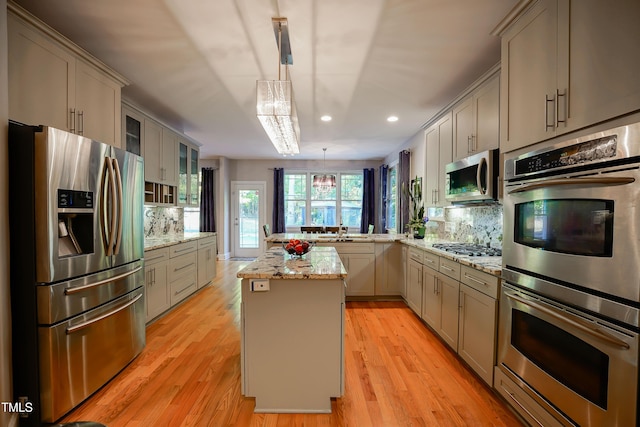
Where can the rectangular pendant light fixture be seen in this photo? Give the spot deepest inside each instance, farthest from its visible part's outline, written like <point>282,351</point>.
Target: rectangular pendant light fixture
<point>275,104</point>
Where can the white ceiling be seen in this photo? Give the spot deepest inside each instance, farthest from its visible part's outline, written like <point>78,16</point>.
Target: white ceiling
<point>194,64</point>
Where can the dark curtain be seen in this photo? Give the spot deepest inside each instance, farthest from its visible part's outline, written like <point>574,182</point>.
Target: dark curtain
<point>384,170</point>
<point>368,200</point>
<point>207,201</point>
<point>278,225</point>
<point>404,180</point>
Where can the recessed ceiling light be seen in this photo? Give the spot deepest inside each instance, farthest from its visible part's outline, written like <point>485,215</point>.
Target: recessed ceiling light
<point>325,118</point>
<point>392,119</point>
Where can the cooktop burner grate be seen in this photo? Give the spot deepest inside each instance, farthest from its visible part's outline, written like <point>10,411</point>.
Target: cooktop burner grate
<point>468,249</point>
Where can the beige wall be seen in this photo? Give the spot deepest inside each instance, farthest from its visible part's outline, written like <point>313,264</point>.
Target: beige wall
<point>6,393</point>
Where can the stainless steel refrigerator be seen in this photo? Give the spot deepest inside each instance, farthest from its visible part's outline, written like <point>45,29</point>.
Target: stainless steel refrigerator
<point>77,273</point>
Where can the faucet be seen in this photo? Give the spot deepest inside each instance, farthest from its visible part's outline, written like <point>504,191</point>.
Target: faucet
<point>340,230</point>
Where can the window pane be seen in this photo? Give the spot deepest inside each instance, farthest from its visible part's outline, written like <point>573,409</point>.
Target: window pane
<point>351,187</point>
<point>295,212</point>
<point>323,195</point>
<point>351,214</point>
<point>323,212</point>
<point>295,186</point>
<point>392,196</point>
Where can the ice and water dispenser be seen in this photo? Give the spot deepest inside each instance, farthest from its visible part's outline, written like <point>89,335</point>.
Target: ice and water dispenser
<point>75,223</point>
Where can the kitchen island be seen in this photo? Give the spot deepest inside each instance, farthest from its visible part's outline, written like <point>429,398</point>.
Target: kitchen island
<point>292,330</point>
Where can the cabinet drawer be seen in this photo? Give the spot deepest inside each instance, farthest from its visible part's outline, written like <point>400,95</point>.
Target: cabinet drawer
<point>523,404</point>
<point>183,248</point>
<point>480,281</point>
<point>182,265</point>
<point>416,254</point>
<point>155,256</point>
<point>431,260</point>
<point>449,268</point>
<point>355,248</point>
<point>182,288</point>
<point>206,242</point>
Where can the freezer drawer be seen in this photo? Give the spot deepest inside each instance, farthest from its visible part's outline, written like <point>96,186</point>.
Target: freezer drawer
<point>60,301</point>
<point>80,355</point>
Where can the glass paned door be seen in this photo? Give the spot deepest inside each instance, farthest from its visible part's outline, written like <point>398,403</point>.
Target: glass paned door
<point>249,214</point>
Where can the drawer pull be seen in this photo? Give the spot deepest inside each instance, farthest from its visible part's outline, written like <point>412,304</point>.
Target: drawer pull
<point>447,268</point>
<point>184,249</point>
<point>521,406</point>
<point>185,288</point>
<point>154,258</point>
<point>183,267</point>
<point>473,279</point>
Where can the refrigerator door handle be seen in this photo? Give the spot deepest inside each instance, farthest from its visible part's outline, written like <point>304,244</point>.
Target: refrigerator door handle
<point>111,206</point>
<point>118,197</point>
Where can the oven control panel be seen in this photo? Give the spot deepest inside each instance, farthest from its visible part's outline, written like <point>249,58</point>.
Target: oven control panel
<point>576,154</point>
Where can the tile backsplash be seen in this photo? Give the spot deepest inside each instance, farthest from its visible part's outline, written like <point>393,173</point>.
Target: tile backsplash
<point>476,224</point>
<point>161,221</point>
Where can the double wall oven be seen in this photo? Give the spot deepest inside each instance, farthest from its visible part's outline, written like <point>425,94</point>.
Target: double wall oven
<point>570,301</point>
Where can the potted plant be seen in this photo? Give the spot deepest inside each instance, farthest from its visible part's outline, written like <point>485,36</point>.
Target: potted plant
<point>417,218</point>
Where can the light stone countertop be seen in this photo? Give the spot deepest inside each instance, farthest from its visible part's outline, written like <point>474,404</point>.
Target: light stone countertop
<point>321,262</point>
<point>333,238</point>
<point>488,264</point>
<point>151,243</point>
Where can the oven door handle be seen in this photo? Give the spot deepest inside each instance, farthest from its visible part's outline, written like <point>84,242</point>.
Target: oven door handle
<point>574,181</point>
<point>589,329</point>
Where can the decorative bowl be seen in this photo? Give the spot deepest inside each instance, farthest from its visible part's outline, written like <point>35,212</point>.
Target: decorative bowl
<point>296,247</point>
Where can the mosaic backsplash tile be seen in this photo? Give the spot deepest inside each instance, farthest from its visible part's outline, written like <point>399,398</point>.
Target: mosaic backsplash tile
<point>478,224</point>
<point>160,221</point>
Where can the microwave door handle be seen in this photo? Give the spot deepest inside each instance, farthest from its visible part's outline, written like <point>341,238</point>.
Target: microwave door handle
<point>589,329</point>
<point>574,181</point>
<point>119,205</point>
<point>481,163</point>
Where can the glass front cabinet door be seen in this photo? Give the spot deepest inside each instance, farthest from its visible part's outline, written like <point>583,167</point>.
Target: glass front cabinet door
<point>188,180</point>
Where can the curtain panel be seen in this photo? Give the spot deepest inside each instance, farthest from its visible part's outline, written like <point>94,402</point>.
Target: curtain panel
<point>404,180</point>
<point>207,201</point>
<point>368,200</point>
<point>278,225</point>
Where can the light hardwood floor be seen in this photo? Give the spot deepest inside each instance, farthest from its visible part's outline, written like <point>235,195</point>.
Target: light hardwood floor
<point>397,373</point>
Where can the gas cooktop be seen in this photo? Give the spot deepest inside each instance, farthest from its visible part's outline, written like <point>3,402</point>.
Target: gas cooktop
<point>468,249</point>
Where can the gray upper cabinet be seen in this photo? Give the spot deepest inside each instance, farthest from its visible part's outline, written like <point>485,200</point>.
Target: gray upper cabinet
<point>567,65</point>
<point>476,120</point>
<point>53,82</point>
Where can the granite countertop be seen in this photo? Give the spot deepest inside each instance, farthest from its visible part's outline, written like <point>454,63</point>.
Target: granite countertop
<point>155,242</point>
<point>488,264</point>
<point>276,263</point>
<point>333,238</point>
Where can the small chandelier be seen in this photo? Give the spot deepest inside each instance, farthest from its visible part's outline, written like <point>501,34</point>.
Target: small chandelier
<point>325,182</point>
<point>275,105</point>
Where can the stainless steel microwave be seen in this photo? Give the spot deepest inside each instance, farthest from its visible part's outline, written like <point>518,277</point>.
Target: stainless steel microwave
<point>472,179</point>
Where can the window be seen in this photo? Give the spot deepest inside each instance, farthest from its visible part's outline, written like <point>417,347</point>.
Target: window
<point>295,197</point>
<point>392,197</point>
<point>305,205</point>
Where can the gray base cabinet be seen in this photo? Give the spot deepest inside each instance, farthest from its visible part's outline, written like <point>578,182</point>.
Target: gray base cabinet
<point>292,340</point>
<point>157,299</point>
<point>183,270</point>
<point>457,302</point>
<point>359,261</point>
<point>207,254</point>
